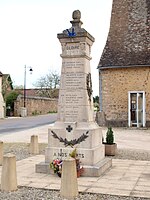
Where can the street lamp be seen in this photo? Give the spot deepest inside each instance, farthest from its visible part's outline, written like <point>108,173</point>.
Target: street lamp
<point>30,70</point>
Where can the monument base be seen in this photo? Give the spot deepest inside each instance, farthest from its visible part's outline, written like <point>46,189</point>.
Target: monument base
<point>89,171</point>
<point>90,151</point>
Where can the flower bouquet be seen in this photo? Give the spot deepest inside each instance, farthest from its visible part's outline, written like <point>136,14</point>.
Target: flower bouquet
<point>56,165</point>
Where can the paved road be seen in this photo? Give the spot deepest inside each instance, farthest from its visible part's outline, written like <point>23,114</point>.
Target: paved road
<point>25,127</point>
<point>18,124</point>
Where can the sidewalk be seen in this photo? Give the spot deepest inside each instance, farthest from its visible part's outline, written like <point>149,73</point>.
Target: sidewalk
<point>125,178</point>
<point>24,136</point>
<point>125,138</point>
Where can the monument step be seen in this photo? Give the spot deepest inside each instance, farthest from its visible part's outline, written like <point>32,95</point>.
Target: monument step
<point>98,169</point>
<point>89,171</point>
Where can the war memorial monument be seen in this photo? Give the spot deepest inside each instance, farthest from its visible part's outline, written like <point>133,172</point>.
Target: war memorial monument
<point>75,107</point>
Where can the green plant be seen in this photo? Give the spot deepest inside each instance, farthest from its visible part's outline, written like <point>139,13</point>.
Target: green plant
<point>51,112</point>
<point>35,112</point>
<point>109,136</point>
<point>73,154</point>
<point>10,98</point>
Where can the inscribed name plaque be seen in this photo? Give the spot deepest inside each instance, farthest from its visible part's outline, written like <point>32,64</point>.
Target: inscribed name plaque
<point>62,155</point>
<point>75,106</point>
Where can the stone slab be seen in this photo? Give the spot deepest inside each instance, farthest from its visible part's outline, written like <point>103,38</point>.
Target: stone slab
<point>109,183</point>
<point>98,169</point>
<point>89,171</point>
<point>42,167</point>
<point>86,156</point>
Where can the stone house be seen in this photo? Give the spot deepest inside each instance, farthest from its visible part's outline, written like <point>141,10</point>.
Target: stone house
<point>124,67</point>
<point>7,84</point>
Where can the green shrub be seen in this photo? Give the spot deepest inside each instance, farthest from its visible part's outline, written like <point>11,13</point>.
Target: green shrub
<point>109,136</point>
<point>51,112</point>
<point>35,112</point>
<point>10,98</point>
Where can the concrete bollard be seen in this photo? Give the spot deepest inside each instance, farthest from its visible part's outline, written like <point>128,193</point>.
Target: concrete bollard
<point>34,146</point>
<point>69,184</point>
<point>9,174</point>
<point>1,153</point>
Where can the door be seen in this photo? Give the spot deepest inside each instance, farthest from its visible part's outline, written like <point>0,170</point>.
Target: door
<point>136,109</point>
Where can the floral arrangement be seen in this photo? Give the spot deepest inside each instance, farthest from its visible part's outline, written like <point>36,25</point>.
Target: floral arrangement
<point>56,165</point>
<point>80,169</point>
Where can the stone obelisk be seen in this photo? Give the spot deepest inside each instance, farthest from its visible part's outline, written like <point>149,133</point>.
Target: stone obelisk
<point>75,107</point>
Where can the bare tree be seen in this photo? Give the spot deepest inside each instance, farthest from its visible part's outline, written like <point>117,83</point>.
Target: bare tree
<point>48,85</point>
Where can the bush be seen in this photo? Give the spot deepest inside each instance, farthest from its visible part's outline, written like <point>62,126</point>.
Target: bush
<point>10,98</point>
<point>109,136</point>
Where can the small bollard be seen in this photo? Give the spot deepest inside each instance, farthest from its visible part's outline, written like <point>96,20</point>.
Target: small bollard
<point>69,184</point>
<point>9,174</point>
<point>34,146</point>
<point>1,152</point>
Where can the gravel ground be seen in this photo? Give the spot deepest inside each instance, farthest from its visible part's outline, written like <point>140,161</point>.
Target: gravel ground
<point>21,150</point>
<point>24,193</point>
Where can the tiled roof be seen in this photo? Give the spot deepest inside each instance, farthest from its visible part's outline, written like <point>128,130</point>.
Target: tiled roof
<point>6,77</point>
<point>128,41</point>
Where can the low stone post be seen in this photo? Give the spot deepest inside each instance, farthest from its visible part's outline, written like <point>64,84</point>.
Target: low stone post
<point>69,184</point>
<point>9,174</point>
<point>34,146</point>
<point>1,152</point>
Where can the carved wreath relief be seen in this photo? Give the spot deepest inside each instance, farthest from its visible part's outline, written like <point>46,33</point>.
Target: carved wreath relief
<point>89,85</point>
<point>71,143</point>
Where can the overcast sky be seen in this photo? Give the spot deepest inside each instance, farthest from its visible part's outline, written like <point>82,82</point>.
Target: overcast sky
<point>28,35</point>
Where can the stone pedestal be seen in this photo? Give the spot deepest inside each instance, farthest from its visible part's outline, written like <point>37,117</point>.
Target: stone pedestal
<point>69,185</point>
<point>34,146</point>
<point>1,152</point>
<point>23,112</point>
<point>75,106</point>
<point>9,175</point>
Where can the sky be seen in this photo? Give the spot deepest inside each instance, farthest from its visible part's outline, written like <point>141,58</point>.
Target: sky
<point>28,35</point>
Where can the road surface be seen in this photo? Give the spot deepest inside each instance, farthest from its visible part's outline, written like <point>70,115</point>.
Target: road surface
<point>18,124</point>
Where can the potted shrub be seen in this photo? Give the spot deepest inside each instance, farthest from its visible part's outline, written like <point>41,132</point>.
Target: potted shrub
<point>110,146</point>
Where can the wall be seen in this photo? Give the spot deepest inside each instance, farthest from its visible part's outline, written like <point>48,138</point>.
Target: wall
<point>115,86</point>
<point>35,105</point>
